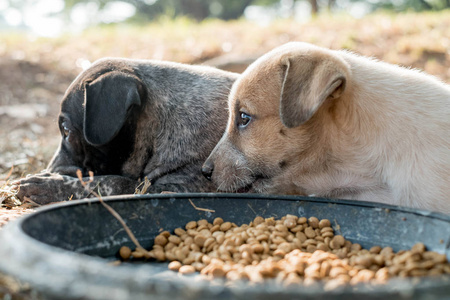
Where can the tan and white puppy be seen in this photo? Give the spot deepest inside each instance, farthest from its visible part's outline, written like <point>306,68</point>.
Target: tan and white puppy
<point>313,121</point>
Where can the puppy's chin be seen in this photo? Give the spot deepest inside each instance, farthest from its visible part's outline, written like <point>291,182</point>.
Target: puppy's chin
<point>262,185</point>
<point>257,186</point>
<point>245,189</point>
<point>275,185</point>
<point>236,187</point>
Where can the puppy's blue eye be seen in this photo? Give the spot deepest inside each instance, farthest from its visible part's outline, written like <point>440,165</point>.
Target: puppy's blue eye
<point>243,119</point>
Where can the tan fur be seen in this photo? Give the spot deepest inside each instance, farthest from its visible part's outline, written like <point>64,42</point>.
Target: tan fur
<point>334,124</point>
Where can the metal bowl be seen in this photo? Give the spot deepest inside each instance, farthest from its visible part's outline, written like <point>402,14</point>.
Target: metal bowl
<point>65,251</point>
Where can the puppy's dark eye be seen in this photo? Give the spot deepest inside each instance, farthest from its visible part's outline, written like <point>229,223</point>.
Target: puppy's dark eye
<point>66,131</point>
<point>243,119</point>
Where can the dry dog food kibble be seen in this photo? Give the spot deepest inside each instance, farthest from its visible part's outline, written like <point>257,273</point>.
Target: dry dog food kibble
<point>292,250</point>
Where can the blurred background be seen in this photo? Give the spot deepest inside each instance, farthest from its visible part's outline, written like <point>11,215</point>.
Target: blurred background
<point>44,44</point>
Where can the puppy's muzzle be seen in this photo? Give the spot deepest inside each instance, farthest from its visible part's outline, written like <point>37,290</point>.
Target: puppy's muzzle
<point>208,169</point>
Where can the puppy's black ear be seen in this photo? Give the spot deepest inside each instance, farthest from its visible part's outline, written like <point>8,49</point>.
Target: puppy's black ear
<point>107,102</point>
<point>307,83</point>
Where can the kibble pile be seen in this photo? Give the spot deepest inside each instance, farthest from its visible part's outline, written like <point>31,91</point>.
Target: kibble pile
<point>292,250</point>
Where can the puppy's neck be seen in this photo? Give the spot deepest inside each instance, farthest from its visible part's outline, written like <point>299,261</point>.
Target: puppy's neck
<point>147,127</point>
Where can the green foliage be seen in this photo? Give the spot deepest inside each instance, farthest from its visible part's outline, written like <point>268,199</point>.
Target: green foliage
<point>148,10</point>
<point>407,5</point>
<point>196,9</point>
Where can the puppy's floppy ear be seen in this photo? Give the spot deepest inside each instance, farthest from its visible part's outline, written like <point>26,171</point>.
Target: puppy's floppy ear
<point>107,102</point>
<point>307,83</point>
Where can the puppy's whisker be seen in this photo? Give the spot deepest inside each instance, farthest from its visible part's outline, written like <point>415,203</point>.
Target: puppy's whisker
<point>221,186</point>
<point>246,168</point>
<point>237,179</point>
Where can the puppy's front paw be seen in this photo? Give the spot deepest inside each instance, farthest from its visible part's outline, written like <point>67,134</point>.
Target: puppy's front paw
<point>44,188</point>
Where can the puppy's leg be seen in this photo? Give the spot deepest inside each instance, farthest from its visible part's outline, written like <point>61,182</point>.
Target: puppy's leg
<point>51,187</point>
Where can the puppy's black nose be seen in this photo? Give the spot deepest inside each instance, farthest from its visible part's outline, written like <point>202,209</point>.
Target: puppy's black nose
<point>207,169</point>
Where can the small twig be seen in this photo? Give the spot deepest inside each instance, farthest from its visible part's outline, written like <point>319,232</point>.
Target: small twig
<point>248,204</point>
<point>9,192</point>
<point>27,199</point>
<point>202,209</point>
<point>145,185</point>
<point>9,174</point>
<point>109,208</point>
<point>338,227</point>
<point>136,190</point>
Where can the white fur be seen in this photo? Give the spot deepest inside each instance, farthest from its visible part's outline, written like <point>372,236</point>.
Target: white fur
<point>397,141</point>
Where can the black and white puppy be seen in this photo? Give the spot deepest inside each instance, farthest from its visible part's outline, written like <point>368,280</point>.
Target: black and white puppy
<point>128,119</point>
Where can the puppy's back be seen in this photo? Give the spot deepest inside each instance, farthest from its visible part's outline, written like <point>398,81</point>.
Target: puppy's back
<point>407,116</point>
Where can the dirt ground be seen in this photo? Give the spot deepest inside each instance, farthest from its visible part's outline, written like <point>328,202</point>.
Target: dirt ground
<point>35,73</point>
